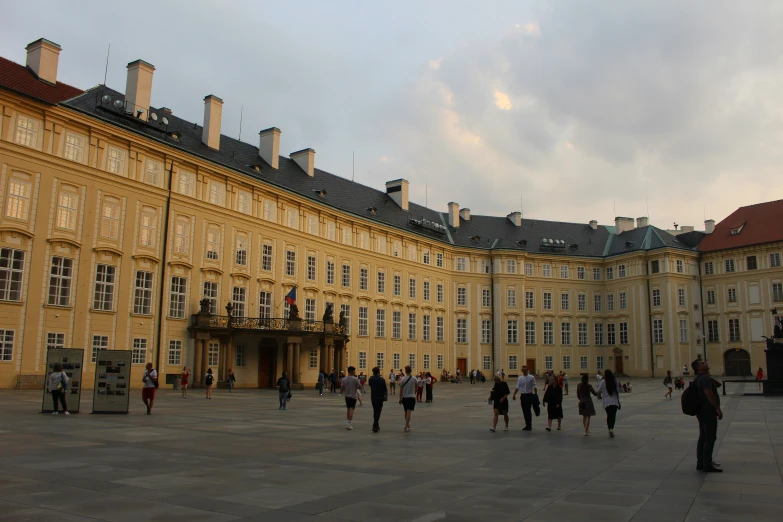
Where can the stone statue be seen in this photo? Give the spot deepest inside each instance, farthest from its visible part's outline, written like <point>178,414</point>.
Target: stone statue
<point>293,312</point>
<point>343,320</point>
<point>328,314</point>
<point>229,308</point>
<point>204,306</point>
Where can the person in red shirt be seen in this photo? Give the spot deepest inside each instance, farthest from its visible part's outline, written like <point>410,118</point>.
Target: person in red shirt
<point>760,376</point>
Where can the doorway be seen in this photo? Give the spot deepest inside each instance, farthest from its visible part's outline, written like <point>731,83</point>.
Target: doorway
<point>462,366</point>
<point>618,364</point>
<point>736,363</point>
<point>267,354</point>
<point>531,366</point>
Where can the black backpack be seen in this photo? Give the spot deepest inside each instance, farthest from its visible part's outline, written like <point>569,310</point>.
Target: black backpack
<point>690,400</point>
<point>208,380</point>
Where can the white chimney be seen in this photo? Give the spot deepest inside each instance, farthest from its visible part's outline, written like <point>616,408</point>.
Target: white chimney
<point>138,88</point>
<point>642,222</point>
<point>269,146</point>
<point>594,224</point>
<point>213,112</point>
<point>464,213</point>
<point>454,214</point>
<point>622,224</point>
<point>305,158</point>
<point>709,226</point>
<point>516,218</point>
<point>398,191</point>
<point>687,228</point>
<point>42,59</point>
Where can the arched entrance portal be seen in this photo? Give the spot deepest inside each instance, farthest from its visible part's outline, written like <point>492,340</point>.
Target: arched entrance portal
<point>736,363</point>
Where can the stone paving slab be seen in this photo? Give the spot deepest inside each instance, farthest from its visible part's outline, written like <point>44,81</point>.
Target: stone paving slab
<point>237,457</point>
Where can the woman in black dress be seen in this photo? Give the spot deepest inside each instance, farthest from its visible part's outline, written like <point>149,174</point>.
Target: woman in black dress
<point>553,400</point>
<point>499,398</point>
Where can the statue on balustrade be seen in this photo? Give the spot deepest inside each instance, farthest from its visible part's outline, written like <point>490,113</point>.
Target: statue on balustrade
<point>342,321</point>
<point>328,314</point>
<point>293,312</point>
<point>204,306</point>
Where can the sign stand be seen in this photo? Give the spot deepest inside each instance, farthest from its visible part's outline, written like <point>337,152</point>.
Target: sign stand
<point>71,360</point>
<point>111,393</point>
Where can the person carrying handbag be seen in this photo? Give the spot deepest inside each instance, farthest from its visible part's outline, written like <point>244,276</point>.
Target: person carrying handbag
<point>58,386</point>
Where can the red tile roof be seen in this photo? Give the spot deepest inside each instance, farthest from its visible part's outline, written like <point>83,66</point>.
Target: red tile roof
<point>761,223</point>
<point>20,79</point>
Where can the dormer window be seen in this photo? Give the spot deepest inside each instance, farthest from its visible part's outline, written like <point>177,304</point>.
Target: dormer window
<point>372,210</point>
<point>736,230</point>
<point>475,239</point>
<point>255,167</point>
<point>321,193</point>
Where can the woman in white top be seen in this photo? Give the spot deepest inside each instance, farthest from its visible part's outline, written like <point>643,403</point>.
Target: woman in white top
<point>610,396</point>
<point>58,384</point>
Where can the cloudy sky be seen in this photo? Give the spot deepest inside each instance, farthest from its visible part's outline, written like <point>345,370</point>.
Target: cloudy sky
<point>570,109</point>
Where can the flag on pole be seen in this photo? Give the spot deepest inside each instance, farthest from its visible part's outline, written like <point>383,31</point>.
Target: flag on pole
<point>290,299</point>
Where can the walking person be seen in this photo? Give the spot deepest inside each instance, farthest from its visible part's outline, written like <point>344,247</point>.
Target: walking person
<point>57,384</point>
<point>429,380</point>
<point>185,377</point>
<point>392,380</point>
<point>408,387</point>
<point>553,399</point>
<point>209,380</point>
<point>598,378</point>
<point>499,397</point>
<point>709,414</point>
<point>668,382</point>
<point>231,380</point>
<point>526,386</point>
<point>610,396</point>
<point>378,396</point>
<point>349,386</point>
<point>284,391</point>
<point>565,383</point>
<point>333,381</point>
<point>472,376</point>
<point>150,380</point>
<point>760,376</point>
<point>321,379</point>
<point>419,387</point>
<point>584,390</point>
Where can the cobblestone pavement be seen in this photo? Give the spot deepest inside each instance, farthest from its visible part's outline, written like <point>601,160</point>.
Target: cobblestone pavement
<point>237,457</point>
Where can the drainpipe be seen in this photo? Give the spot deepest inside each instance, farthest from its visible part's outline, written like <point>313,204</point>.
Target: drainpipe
<point>650,319</point>
<point>492,309</point>
<point>701,293</point>
<point>162,289</point>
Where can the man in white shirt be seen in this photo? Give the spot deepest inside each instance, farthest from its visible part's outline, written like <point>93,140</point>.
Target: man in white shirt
<point>408,385</point>
<point>526,386</point>
<point>598,379</point>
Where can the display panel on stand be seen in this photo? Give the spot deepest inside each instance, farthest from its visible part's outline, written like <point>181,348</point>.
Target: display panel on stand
<point>71,360</point>
<point>112,381</point>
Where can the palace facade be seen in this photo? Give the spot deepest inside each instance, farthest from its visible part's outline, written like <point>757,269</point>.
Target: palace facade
<point>126,227</point>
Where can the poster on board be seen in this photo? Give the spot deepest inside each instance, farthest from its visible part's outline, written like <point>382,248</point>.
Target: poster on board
<point>71,359</point>
<point>112,381</point>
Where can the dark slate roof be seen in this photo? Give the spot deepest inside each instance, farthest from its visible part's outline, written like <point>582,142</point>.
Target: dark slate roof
<point>22,80</point>
<point>481,232</point>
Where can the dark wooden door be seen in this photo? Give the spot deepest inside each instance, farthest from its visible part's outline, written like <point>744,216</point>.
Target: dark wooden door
<point>736,363</point>
<point>265,366</point>
<point>531,366</point>
<point>618,364</point>
<point>462,366</point>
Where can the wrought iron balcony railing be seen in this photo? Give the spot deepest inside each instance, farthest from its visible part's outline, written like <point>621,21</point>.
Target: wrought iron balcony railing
<point>274,324</point>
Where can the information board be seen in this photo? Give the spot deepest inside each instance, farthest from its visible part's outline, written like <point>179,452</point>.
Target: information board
<point>71,359</point>
<point>112,381</point>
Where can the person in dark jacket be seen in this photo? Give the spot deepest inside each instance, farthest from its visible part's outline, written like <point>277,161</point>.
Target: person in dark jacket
<point>708,416</point>
<point>332,381</point>
<point>378,395</point>
<point>553,400</point>
<point>499,398</point>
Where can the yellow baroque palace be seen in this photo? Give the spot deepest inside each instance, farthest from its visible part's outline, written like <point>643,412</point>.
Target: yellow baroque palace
<point>126,227</point>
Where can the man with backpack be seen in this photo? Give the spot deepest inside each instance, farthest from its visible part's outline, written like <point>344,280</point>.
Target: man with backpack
<point>150,380</point>
<point>708,413</point>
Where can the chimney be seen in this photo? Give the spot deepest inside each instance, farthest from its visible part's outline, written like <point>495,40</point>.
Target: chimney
<point>213,112</point>
<point>594,224</point>
<point>516,218</point>
<point>269,146</point>
<point>464,213</point>
<point>709,226</point>
<point>42,58</point>
<point>398,191</point>
<point>622,224</point>
<point>138,88</point>
<point>642,222</point>
<point>305,158</point>
<point>454,214</point>
<point>686,228</point>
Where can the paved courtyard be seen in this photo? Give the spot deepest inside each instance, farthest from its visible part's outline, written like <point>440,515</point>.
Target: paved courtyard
<point>237,457</point>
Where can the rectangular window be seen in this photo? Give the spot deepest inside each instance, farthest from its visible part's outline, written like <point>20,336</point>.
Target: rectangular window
<point>175,352</point>
<point>581,302</point>
<point>683,330</point>
<point>485,298</point>
<point>364,321</point>
<point>213,354</point>
<point>426,290</point>
<point>566,362</point>
<point>580,272</point>
<point>330,272</point>
<point>711,297</point>
<point>610,302</point>
<point>182,236</point>
<point>549,332</point>
<point>732,294</point>
<point>104,287</point>
<point>681,296</point>
<point>11,274</point>
<point>74,147</point>
<point>623,333</point>
<point>213,244</point>
<point>511,266</point>
<point>440,293</point>
<point>751,263</point>
<point>439,260</point>
<point>599,334</point>
<point>426,361</point>
<point>99,342</point>
<point>709,268</point>
<point>217,193</point>
<point>290,263</point>
<point>186,182</point>
<point>611,336</point>
<point>734,331</point>
<point>583,362</point>
<point>238,297</point>
<point>396,360</point>
<point>439,329</point>
<point>241,251</point>
<point>241,357</point>
<point>777,290</point>
<point>530,332</point>
<point>565,302</point>
<point>142,295</point>
<point>264,305</point>
<point>596,274</point>
<point>512,331</point>
<point>6,345</point>
<point>396,324</point>
<point>382,282</point>
<point>609,273</point>
<point>18,205</point>
<point>412,360</point>
<point>729,265</point>
<point>565,333</point>
<point>440,361</point>
<point>621,271</point>
<point>243,201</point>
<point>529,269</point>
<point>774,260</point>
<point>412,327</point>
<point>397,285</point>
<point>680,266</point>
<point>380,322</point>
<point>512,362</point>
<point>623,301</point>
<point>597,302</point>
<point>529,299</point>
<point>657,330</point>
<point>462,330</point>
<point>152,172</point>
<point>547,300</point>
<point>713,335</point>
<point>656,297</point>
<point>563,271</point>
<point>582,334</point>
<point>655,266</point>
<point>139,351</point>
<point>26,134</point>
<point>412,288</point>
<point>346,310</point>
<point>379,360</point>
<point>487,362</point>
<point>546,270</point>
<point>147,229</point>
<point>311,268</point>
<point>511,297</point>
<point>425,328</point>
<point>266,258</point>
<point>55,340</point>
<point>364,278</point>
<point>599,362</point>
<point>67,203</point>
<point>362,360</point>
<point>310,311</point>
<point>549,362</point>
<point>460,264</point>
<point>60,277</point>
<point>211,293</point>
<point>462,299</point>
<point>426,258</point>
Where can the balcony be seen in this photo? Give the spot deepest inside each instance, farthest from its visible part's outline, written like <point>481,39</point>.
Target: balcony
<point>270,324</point>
